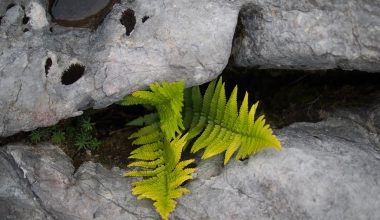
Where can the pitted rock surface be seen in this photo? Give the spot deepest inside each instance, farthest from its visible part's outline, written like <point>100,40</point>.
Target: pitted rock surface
<point>140,42</point>
<point>188,40</point>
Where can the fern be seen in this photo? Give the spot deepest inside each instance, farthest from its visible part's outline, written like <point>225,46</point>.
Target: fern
<point>168,100</point>
<point>222,127</point>
<point>159,157</point>
<point>216,124</point>
<point>161,163</point>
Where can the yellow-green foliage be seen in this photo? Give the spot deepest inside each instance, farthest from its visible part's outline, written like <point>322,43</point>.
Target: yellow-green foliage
<point>222,126</point>
<point>165,173</point>
<point>167,99</point>
<point>216,124</point>
<point>159,157</point>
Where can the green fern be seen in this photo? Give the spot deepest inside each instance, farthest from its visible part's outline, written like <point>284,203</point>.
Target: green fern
<point>168,100</point>
<point>159,157</point>
<point>216,124</point>
<point>164,171</point>
<point>222,127</point>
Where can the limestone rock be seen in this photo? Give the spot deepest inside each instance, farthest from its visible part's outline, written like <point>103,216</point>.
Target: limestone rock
<point>327,170</point>
<point>93,192</point>
<point>312,34</point>
<point>49,72</point>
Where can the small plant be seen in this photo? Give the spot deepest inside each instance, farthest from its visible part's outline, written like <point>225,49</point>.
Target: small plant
<point>84,138</point>
<point>213,123</point>
<point>58,137</point>
<point>86,141</point>
<point>81,135</point>
<point>40,134</point>
<point>87,125</point>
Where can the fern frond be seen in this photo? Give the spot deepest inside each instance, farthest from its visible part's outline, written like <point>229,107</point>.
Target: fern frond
<point>163,172</point>
<point>159,158</point>
<point>168,100</point>
<point>217,123</point>
<point>222,127</point>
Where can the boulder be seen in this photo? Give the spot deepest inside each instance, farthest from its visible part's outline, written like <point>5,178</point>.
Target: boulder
<point>312,34</point>
<point>327,170</point>
<point>49,72</point>
<point>92,192</point>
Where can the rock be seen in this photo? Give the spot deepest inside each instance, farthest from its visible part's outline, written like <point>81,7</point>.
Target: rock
<point>80,13</point>
<point>92,192</point>
<point>17,201</point>
<point>327,170</point>
<point>314,34</point>
<point>49,72</point>
<point>37,12</point>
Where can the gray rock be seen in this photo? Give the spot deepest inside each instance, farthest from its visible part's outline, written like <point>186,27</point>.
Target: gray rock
<point>327,170</point>
<point>180,39</point>
<point>312,34</point>
<point>17,201</point>
<point>92,192</point>
<point>189,40</point>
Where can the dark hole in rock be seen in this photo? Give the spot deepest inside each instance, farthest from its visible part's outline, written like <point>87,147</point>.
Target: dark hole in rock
<point>1,17</point>
<point>10,6</point>
<point>25,30</point>
<point>144,19</point>
<point>25,20</point>
<point>83,13</point>
<point>48,64</point>
<point>128,19</point>
<point>72,74</point>
<point>51,29</point>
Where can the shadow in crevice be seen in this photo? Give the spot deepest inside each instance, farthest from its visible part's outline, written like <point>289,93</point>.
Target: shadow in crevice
<point>288,96</point>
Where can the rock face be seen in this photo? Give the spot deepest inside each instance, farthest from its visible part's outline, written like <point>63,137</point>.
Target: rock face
<point>327,170</point>
<point>44,184</point>
<point>312,34</point>
<point>49,72</point>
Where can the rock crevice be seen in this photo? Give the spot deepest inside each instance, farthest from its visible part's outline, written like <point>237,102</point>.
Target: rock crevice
<point>190,40</point>
<point>327,170</point>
